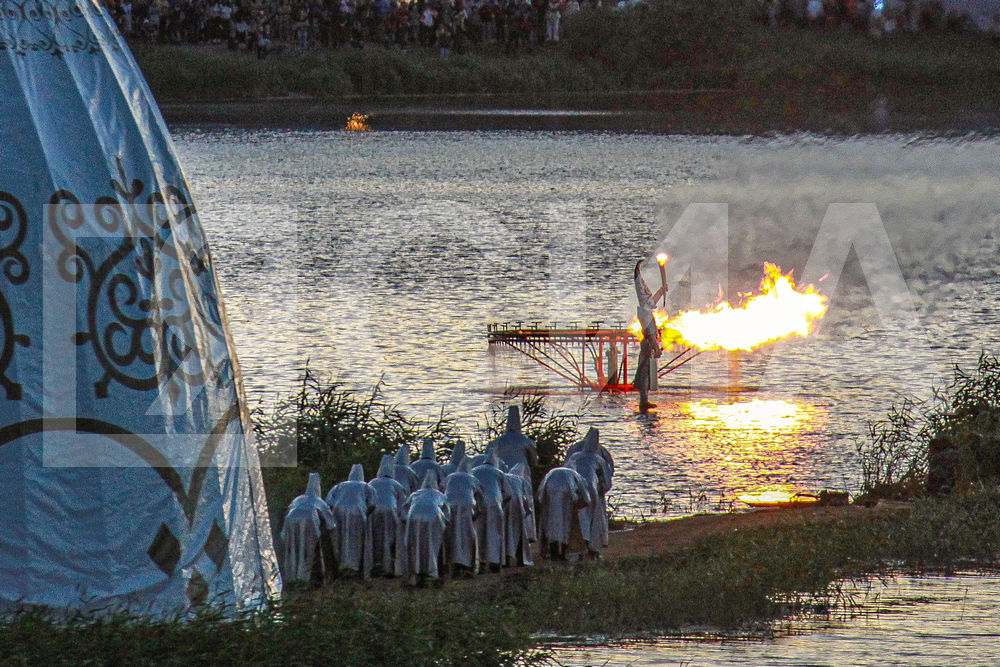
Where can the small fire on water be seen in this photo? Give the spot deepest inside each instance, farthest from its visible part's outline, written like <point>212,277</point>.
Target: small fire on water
<point>358,122</point>
<point>778,311</point>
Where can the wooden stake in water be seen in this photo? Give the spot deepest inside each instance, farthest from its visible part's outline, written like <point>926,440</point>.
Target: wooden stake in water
<point>734,369</point>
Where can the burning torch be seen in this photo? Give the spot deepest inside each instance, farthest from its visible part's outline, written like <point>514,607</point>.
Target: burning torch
<point>661,259</point>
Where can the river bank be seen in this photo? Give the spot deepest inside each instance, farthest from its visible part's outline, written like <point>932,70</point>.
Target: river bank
<point>768,81</point>
<point>735,573</point>
<point>657,538</point>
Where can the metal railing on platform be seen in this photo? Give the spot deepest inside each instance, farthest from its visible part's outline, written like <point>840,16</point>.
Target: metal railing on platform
<point>594,357</point>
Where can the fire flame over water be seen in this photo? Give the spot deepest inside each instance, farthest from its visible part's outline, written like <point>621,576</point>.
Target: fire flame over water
<point>778,311</point>
<point>358,122</point>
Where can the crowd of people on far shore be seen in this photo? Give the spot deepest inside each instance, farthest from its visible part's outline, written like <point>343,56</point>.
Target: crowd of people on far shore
<point>303,25</point>
<point>423,520</point>
<point>876,16</point>
<point>263,26</point>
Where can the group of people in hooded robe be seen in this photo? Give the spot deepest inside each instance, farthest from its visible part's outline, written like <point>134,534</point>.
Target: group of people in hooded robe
<point>422,519</point>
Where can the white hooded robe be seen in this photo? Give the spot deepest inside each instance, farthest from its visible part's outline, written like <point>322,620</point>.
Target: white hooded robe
<point>427,463</point>
<point>560,495</point>
<point>307,519</point>
<point>464,494</point>
<point>457,454</point>
<point>596,473</point>
<point>513,447</point>
<point>352,503</point>
<point>387,519</point>
<point>403,473</point>
<point>595,435</point>
<point>496,495</point>
<point>426,521</point>
<point>519,518</point>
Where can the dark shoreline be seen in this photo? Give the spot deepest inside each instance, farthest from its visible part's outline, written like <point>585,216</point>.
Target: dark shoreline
<point>754,82</point>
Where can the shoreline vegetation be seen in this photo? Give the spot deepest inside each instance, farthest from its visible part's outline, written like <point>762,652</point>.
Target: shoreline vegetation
<point>661,66</point>
<point>930,492</point>
<point>743,574</point>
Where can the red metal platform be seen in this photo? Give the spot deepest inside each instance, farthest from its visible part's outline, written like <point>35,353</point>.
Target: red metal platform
<point>596,357</point>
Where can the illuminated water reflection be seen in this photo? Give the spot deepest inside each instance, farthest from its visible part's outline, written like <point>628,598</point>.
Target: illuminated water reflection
<point>907,620</point>
<point>742,439</point>
<point>757,421</point>
<point>384,255</point>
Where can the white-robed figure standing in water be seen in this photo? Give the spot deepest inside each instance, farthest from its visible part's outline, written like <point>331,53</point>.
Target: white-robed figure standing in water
<point>352,503</point>
<point>427,463</point>
<point>651,347</point>
<point>387,520</point>
<point>403,472</point>
<point>427,517</point>
<point>496,494</point>
<point>464,495</point>
<point>562,492</point>
<point>514,447</point>
<point>306,534</point>
<point>519,521</point>
<point>597,474</point>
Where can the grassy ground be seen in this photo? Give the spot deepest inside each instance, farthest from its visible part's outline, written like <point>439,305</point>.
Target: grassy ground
<point>737,578</point>
<point>757,79</point>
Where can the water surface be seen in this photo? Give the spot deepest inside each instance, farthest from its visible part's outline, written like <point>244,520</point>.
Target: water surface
<point>384,256</point>
<point>905,620</point>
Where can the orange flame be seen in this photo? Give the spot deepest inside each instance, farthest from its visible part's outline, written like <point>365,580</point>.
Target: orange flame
<point>778,311</point>
<point>636,327</point>
<point>358,122</point>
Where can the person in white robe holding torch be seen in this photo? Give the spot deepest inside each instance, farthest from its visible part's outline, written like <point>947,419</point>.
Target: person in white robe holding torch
<point>651,347</point>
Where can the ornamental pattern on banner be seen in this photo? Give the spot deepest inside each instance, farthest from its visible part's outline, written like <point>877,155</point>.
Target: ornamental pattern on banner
<point>152,314</point>
<point>15,271</point>
<point>57,27</point>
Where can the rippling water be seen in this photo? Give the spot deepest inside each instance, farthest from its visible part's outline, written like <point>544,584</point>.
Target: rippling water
<point>903,621</point>
<point>385,255</point>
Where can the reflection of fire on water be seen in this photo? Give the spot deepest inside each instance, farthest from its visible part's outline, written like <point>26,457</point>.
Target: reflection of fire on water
<point>755,435</point>
<point>778,311</point>
<point>358,122</point>
<point>771,416</point>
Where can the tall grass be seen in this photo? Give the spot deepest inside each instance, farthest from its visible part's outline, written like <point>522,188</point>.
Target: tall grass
<point>181,73</point>
<point>331,627</point>
<point>326,428</point>
<point>949,444</point>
